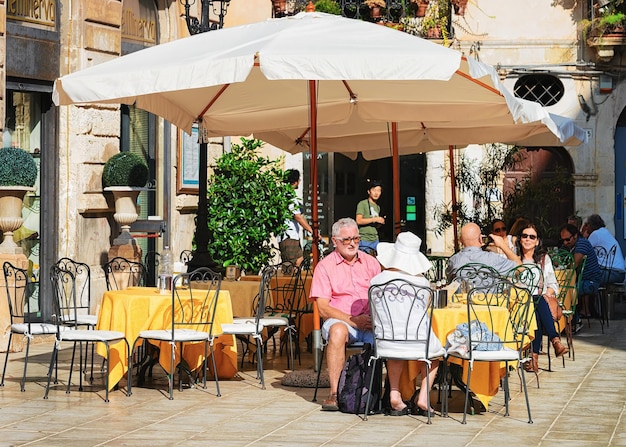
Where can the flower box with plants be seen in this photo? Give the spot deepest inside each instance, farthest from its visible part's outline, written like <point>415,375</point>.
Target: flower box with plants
<point>125,175</point>
<point>18,174</point>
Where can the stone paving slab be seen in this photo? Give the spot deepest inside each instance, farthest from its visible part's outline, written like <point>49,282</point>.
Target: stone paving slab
<point>583,404</point>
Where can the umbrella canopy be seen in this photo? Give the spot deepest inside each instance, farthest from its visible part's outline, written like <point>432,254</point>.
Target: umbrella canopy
<point>374,140</point>
<point>254,78</point>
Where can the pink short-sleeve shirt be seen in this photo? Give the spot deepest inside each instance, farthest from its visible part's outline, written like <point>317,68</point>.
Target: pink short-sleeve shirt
<point>344,284</point>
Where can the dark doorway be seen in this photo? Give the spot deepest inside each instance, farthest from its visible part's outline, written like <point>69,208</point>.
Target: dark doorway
<point>550,200</point>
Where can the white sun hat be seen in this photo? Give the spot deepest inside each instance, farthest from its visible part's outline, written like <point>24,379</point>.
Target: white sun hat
<point>404,254</point>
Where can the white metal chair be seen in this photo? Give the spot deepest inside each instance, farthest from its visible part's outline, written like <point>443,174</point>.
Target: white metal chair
<point>192,320</point>
<point>24,311</point>
<point>253,326</point>
<point>68,330</point>
<point>509,345</point>
<point>401,320</point>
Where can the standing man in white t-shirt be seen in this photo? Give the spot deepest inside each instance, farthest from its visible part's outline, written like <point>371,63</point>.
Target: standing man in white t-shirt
<point>289,243</point>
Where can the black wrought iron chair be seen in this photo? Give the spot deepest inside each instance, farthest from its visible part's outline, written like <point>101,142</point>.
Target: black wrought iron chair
<point>68,329</point>
<point>76,303</point>
<point>475,274</point>
<point>565,270</point>
<point>193,312</point>
<point>287,291</point>
<point>186,256</point>
<point>250,330</point>
<point>605,260</point>
<point>25,313</point>
<point>121,273</point>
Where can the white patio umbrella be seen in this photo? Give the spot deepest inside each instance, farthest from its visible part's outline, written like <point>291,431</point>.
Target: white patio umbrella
<point>297,73</point>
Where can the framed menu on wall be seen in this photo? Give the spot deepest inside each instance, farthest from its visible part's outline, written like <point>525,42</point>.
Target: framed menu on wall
<point>187,174</point>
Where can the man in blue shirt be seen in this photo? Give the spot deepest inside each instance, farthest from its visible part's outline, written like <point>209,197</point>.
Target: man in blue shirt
<point>592,275</point>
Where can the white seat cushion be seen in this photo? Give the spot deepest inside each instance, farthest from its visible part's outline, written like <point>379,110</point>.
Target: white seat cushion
<point>240,328</point>
<point>89,335</point>
<point>35,328</point>
<point>274,321</point>
<point>505,354</point>
<point>408,350</point>
<point>181,335</point>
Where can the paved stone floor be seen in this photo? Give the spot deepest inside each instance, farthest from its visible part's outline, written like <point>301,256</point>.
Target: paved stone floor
<point>582,404</point>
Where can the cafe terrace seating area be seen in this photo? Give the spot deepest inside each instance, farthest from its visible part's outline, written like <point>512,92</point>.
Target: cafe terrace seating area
<point>280,414</point>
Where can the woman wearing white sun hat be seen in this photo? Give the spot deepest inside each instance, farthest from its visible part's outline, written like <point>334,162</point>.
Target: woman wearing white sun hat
<point>403,260</point>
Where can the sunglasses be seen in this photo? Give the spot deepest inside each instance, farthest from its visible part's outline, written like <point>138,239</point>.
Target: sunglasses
<point>499,230</point>
<point>532,237</point>
<point>567,239</point>
<point>349,240</point>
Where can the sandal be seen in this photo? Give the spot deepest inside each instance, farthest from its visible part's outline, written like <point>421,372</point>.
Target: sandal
<point>422,412</point>
<point>392,412</point>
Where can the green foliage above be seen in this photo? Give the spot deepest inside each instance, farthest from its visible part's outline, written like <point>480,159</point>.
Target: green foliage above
<point>248,201</point>
<point>125,169</point>
<point>478,180</point>
<point>17,167</point>
<point>328,6</point>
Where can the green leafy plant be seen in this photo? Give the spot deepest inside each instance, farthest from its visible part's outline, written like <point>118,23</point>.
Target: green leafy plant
<point>248,201</point>
<point>478,181</point>
<point>610,18</point>
<point>434,25</point>
<point>328,6</point>
<point>125,169</point>
<point>17,167</point>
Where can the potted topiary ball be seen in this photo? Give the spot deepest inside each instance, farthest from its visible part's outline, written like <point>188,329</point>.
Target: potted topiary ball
<point>18,174</point>
<point>125,175</point>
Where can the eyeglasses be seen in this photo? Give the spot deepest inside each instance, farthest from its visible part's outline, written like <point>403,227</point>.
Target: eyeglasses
<point>349,240</point>
<point>499,230</point>
<point>532,237</point>
<point>567,239</point>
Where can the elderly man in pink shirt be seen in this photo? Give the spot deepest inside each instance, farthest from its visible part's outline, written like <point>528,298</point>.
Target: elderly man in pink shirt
<point>340,284</point>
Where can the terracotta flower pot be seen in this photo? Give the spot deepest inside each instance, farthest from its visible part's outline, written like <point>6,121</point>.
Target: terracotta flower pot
<point>420,9</point>
<point>459,7</point>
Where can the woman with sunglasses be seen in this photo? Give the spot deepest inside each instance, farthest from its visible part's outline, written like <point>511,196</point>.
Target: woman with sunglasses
<point>531,251</point>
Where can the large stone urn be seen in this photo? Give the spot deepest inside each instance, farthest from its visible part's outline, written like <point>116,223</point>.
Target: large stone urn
<point>11,199</point>
<point>125,198</point>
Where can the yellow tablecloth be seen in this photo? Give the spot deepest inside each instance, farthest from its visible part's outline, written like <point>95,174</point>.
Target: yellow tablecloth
<point>485,375</point>
<point>142,308</point>
<point>306,323</point>
<point>242,294</point>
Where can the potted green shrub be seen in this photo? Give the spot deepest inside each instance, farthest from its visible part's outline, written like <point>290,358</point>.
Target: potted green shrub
<point>607,29</point>
<point>328,6</point>
<point>18,174</point>
<point>125,175</point>
<point>248,201</point>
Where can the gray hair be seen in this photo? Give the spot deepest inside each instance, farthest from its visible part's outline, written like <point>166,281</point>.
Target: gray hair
<point>344,222</point>
<point>595,222</point>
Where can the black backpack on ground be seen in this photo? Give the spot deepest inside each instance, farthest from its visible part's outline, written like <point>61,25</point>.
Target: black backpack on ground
<point>354,383</point>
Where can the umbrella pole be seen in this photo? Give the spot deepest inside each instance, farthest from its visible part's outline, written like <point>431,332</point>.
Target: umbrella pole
<point>454,204</point>
<point>317,335</point>
<point>396,179</point>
